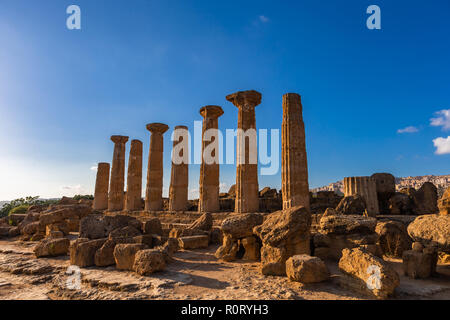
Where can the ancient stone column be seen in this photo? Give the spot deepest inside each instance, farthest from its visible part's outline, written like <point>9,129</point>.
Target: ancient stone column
<point>246,151</point>
<point>179,177</point>
<point>153,192</point>
<point>101,187</point>
<point>366,188</point>
<point>209,170</point>
<point>294,166</point>
<point>117,182</point>
<point>133,198</point>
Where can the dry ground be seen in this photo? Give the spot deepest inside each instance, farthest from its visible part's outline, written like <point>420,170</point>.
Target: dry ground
<point>193,275</point>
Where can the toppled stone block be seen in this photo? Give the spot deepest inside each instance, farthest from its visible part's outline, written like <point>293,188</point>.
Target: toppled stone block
<point>352,205</point>
<point>52,247</point>
<point>306,269</point>
<point>124,254</point>
<point>393,238</point>
<point>193,242</point>
<point>152,226</point>
<point>283,234</point>
<point>367,273</point>
<point>82,251</point>
<point>431,230</point>
<point>420,263</point>
<point>149,261</point>
<point>104,256</point>
<point>444,203</point>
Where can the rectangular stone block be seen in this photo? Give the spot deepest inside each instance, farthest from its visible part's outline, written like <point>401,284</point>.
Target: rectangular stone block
<point>193,242</point>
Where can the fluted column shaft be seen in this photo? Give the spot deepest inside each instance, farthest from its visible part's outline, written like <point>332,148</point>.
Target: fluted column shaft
<point>366,188</point>
<point>101,187</point>
<point>247,193</point>
<point>294,166</point>
<point>153,192</point>
<point>117,182</point>
<point>179,177</point>
<point>134,179</point>
<point>209,183</point>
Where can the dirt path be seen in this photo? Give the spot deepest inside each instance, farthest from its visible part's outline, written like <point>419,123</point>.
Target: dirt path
<point>192,275</point>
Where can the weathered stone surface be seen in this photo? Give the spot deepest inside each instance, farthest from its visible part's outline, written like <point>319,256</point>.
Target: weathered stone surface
<point>352,205</point>
<point>252,248</point>
<point>101,187</point>
<point>32,228</point>
<point>179,176</point>
<point>241,226</point>
<point>283,234</point>
<point>153,191</point>
<point>330,212</point>
<point>124,254</point>
<point>133,198</point>
<point>149,261</point>
<point>425,199</point>
<point>232,191</point>
<point>294,167</point>
<point>400,203</point>
<point>124,232</point>
<point>52,247</point>
<point>205,222</point>
<point>193,242</point>
<point>152,226</point>
<point>371,274</point>
<point>268,192</point>
<point>385,186</point>
<point>419,263</point>
<point>104,256</point>
<point>366,188</point>
<point>347,224</point>
<point>431,230</point>
<point>246,153</point>
<point>93,227</point>
<point>393,238</point>
<point>444,203</point>
<point>306,269</point>
<point>117,181</point>
<point>82,251</point>
<point>228,250</point>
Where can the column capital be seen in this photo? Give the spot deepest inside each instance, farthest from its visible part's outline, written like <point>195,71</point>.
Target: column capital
<point>245,99</point>
<point>211,112</point>
<point>181,127</point>
<point>157,127</point>
<point>119,139</point>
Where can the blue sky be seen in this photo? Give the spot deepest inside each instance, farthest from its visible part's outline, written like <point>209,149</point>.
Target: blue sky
<point>63,92</point>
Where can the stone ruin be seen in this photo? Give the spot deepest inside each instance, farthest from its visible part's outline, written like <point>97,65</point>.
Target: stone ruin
<point>289,233</point>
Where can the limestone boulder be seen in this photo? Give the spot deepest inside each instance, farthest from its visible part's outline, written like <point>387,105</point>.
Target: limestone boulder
<point>306,269</point>
<point>352,205</point>
<point>93,227</point>
<point>425,199</point>
<point>104,256</point>
<point>385,185</point>
<point>431,230</point>
<point>124,232</point>
<point>368,273</point>
<point>420,263</point>
<point>283,234</point>
<point>152,226</point>
<point>393,238</point>
<point>330,212</point>
<point>124,254</point>
<point>82,251</point>
<point>347,224</point>
<point>241,225</point>
<point>52,247</point>
<point>204,223</point>
<point>193,242</point>
<point>149,261</point>
<point>400,204</point>
<point>120,221</point>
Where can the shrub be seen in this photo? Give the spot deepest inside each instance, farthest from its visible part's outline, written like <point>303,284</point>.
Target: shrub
<point>19,209</point>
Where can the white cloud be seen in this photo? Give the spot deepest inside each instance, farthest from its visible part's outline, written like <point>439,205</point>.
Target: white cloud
<point>442,119</point>
<point>263,19</point>
<point>442,145</point>
<point>94,168</point>
<point>410,129</point>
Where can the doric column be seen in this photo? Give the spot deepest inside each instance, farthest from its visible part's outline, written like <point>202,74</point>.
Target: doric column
<point>365,187</point>
<point>101,187</point>
<point>179,177</point>
<point>134,179</point>
<point>153,192</point>
<point>117,184</point>
<point>294,166</point>
<point>209,169</point>
<point>246,151</point>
